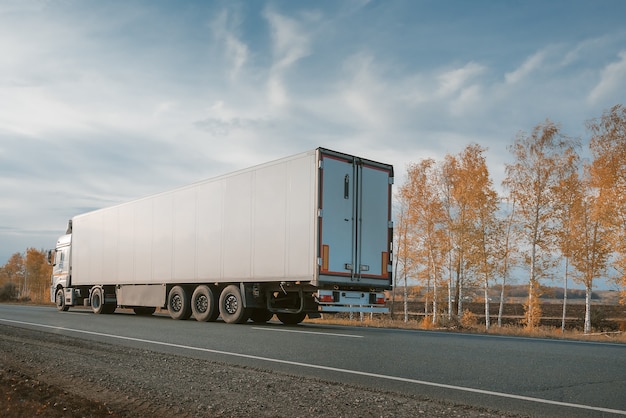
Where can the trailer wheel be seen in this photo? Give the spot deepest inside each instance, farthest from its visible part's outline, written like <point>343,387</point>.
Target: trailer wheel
<point>231,306</point>
<point>291,318</point>
<point>203,304</point>
<point>97,300</point>
<point>179,303</point>
<point>144,310</point>
<point>60,301</point>
<point>261,315</point>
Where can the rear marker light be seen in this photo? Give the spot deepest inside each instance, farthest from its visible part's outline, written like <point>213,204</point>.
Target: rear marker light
<point>326,299</point>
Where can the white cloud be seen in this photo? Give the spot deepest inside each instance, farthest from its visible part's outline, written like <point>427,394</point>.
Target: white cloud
<point>237,51</point>
<point>612,81</point>
<point>364,94</point>
<point>290,43</point>
<point>529,66</point>
<point>34,112</point>
<point>451,82</point>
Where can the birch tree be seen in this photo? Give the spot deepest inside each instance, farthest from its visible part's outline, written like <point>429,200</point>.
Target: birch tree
<point>568,193</point>
<point>531,180</point>
<point>404,263</point>
<point>589,246</point>
<point>608,178</point>
<point>473,190</point>
<point>507,252</point>
<point>425,215</point>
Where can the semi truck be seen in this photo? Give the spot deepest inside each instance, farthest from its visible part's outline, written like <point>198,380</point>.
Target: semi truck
<point>302,235</point>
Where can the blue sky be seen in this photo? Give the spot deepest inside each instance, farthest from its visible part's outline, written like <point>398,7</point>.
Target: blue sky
<point>103,102</point>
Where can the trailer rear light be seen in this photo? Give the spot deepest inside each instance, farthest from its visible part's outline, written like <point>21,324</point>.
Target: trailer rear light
<point>326,299</point>
<point>380,300</point>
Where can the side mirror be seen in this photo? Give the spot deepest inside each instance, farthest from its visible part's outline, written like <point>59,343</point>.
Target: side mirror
<point>50,257</point>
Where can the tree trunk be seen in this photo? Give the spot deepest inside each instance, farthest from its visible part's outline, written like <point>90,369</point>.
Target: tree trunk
<point>530,321</point>
<point>487,319</point>
<point>393,291</point>
<point>565,295</point>
<point>501,309</point>
<point>587,309</point>
<point>406,299</point>
<point>426,298</point>
<point>459,311</point>
<point>435,301</point>
<point>450,296</point>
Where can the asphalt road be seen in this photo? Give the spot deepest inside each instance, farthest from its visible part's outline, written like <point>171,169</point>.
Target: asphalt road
<point>530,376</point>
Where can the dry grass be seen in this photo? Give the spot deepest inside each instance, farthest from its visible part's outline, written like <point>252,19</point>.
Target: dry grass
<point>469,324</point>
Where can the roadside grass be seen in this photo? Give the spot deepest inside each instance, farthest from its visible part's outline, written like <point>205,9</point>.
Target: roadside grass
<point>469,324</point>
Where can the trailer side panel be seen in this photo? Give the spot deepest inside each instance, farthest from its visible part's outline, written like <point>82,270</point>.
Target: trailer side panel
<point>257,224</point>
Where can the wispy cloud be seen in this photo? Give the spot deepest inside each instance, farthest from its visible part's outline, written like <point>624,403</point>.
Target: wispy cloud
<point>290,43</point>
<point>532,64</point>
<point>453,81</point>
<point>224,29</point>
<point>612,81</point>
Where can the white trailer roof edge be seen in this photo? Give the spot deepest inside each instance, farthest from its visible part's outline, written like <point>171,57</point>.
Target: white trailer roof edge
<point>318,151</point>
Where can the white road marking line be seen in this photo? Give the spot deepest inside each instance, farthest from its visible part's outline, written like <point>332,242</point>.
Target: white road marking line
<point>333,369</point>
<point>307,332</point>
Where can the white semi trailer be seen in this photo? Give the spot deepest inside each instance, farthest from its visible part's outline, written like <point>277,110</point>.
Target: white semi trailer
<point>294,237</point>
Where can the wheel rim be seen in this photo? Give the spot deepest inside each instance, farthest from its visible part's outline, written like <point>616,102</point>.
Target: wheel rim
<point>231,304</point>
<point>202,303</point>
<point>95,300</point>
<point>176,303</point>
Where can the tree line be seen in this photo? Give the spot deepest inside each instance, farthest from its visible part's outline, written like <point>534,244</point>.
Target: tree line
<point>26,277</point>
<point>560,215</point>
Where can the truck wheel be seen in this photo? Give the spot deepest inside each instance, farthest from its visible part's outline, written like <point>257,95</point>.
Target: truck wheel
<point>231,306</point>
<point>291,318</point>
<point>109,308</point>
<point>144,310</point>
<point>260,315</point>
<point>179,303</point>
<point>60,301</point>
<point>203,304</point>
<point>97,300</point>
<point>98,306</point>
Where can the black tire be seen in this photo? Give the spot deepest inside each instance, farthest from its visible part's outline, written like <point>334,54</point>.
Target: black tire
<point>109,308</point>
<point>203,304</point>
<point>97,300</point>
<point>291,318</point>
<point>260,315</point>
<point>179,303</point>
<point>98,304</point>
<point>231,306</point>
<point>59,299</point>
<point>144,310</point>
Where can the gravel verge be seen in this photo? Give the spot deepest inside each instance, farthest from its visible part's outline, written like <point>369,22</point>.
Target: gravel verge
<point>51,375</point>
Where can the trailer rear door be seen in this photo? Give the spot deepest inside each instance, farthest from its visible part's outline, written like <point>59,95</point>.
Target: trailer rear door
<point>355,221</point>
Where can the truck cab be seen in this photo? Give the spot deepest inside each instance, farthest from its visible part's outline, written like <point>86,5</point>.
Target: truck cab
<point>60,260</point>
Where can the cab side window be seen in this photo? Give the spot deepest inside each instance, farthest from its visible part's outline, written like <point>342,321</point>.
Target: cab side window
<point>60,261</point>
